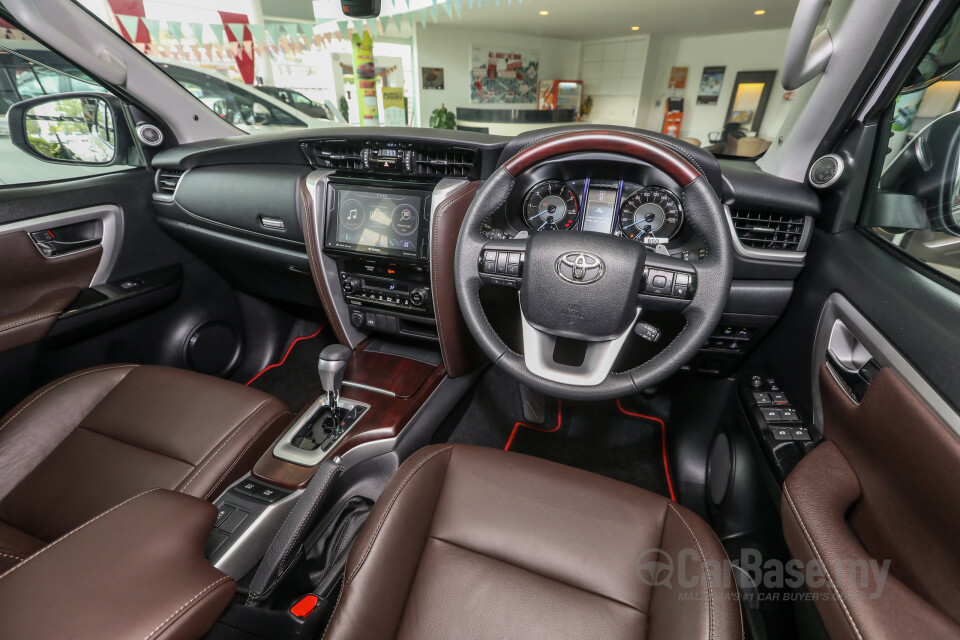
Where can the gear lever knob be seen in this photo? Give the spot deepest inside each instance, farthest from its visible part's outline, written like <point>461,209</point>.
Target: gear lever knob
<point>331,366</point>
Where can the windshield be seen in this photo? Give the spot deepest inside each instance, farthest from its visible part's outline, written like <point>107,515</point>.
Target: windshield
<point>700,70</point>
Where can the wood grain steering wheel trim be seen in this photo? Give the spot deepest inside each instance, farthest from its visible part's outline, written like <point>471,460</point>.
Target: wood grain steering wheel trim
<point>667,160</point>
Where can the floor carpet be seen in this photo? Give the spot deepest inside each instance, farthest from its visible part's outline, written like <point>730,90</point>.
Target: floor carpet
<point>621,440</point>
<point>294,378</point>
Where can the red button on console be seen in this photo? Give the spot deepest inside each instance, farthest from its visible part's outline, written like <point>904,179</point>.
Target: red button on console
<point>305,606</point>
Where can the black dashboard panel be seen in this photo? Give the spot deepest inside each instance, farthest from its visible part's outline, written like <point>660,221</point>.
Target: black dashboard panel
<point>258,199</point>
<point>229,183</point>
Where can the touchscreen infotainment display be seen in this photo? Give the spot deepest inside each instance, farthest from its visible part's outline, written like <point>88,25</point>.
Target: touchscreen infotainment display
<point>384,222</point>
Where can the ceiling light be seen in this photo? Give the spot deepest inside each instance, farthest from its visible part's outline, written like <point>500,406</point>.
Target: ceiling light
<point>544,13</point>
<point>634,28</point>
<point>759,12</point>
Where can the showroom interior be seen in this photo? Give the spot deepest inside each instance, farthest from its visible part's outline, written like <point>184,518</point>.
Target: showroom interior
<point>495,66</point>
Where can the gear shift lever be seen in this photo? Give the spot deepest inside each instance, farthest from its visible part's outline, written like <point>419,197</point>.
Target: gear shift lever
<point>331,367</point>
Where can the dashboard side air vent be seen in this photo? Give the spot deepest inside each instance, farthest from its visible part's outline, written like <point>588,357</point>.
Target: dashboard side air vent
<point>768,231</point>
<point>337,154</point>
<point>167,180</point>
<point>443,161</point>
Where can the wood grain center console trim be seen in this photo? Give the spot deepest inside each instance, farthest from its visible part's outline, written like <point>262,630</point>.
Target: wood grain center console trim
<point>411,381</point>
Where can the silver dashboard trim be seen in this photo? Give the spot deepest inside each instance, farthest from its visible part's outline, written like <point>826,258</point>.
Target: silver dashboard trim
<point>367,387</point>
<point>284,450</point>
<point>317,185</point>
<point>248,549</point>
<point>769,254</point>
<point>111,219</point>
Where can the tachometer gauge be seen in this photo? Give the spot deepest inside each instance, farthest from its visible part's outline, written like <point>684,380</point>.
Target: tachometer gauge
<point>651,215</point>
<point>551,205</point>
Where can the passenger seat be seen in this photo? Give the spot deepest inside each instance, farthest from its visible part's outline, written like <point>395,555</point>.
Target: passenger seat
<point>91,440</point>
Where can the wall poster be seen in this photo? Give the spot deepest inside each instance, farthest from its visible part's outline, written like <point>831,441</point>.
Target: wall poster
<point>502,74</point>
<point>431,77</point>
<point>710,83</point>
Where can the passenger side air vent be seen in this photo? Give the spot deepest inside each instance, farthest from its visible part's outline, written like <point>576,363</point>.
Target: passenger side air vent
<point>451,162</point>
<point>167,180</point>
<point>768,231</point>
<point>337,154</point>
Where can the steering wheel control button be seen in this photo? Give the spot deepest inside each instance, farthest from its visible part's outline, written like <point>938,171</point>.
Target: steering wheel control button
<point>647,331</point>
<point>660,282</point>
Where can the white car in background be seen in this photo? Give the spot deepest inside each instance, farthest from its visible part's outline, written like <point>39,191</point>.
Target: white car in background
<point>242,105</point>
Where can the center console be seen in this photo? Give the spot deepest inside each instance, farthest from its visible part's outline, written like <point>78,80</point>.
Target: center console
<point>379,235</point>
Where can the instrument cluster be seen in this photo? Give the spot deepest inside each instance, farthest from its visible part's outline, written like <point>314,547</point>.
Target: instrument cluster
<point>602,193</point>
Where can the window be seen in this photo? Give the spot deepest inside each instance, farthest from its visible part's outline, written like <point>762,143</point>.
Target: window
<point>235,104</point>
<point>917,204</point>
<point>30,70</point>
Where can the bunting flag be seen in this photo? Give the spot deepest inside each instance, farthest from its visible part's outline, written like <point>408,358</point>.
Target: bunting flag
<point>448,9</point>
<point>273,29</point>
<point>423,17</point>
<point>293,30</point>
<point>217,32</point>
<point>153,28</point>
<point>344,27</point>
<point>196,30</point>
<point>256,31</point>
<point>412,21</point>
<point>458,6</point>
<point>358,26</point>
<point>237,31</point>
<point>175,29</point>
<point>433,13</point>
<point>129,23</point>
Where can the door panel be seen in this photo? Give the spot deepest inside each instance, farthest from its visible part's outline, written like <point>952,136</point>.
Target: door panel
<point>34,289</point>
<point>178,294</point>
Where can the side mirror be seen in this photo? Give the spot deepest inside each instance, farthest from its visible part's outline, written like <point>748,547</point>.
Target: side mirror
<point>71,128</point>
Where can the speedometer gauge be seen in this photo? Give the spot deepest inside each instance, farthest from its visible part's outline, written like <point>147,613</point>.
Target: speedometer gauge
<point>651,215</point>
<point>551,205</point>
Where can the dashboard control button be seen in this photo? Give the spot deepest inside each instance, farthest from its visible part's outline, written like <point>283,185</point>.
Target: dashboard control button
<point>222,514</point>
<point>421,295</point>
<point>800,435</point>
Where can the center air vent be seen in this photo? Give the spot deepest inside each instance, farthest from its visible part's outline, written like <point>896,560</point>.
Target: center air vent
<point>769,231</point>
<point>167,180</point>
<point>452,162</point>
<point>337,154</point>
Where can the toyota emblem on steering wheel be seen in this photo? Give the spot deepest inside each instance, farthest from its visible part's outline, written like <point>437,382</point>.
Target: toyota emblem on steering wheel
<point>579,267</point>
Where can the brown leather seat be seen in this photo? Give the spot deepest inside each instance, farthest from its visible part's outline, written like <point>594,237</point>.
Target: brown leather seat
<point>480,543</point>
<point>91,440</point>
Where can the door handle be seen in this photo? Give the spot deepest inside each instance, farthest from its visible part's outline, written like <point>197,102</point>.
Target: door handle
<point>851,363</point>
<point>70,238</point>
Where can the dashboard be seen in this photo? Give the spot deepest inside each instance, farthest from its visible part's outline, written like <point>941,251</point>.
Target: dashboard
<point>364,225</point>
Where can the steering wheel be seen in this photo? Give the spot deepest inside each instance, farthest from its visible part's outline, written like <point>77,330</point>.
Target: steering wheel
<point>593,287</point>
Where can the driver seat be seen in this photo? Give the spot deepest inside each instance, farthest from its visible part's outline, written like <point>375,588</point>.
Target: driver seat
<point>475,542</point>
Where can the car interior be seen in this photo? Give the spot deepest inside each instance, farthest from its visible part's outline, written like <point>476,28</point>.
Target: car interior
<point>584,381</point>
